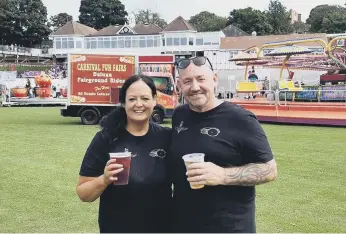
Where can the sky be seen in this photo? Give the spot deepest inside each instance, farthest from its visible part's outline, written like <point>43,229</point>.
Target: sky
<point>170,9</point>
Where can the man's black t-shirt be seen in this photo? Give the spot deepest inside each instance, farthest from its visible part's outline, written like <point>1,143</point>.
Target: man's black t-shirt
<point>228,135</point>
<point>144,204</point>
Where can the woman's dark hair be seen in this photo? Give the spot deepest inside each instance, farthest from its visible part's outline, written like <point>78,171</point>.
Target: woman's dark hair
<point>114,123</point>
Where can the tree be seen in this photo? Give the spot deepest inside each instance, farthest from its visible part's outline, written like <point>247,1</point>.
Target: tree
<point>147,16</point>
<point>300,27</point>
<point>23,22</point>
<point>334,22</point>
<point>250,20</point>
<point>8,18</point>
<point>279,18</point>
<point>34,22</point>
<point>207,21</point>
<point>317,15</point>
<point>102,13</point>
<point>59,20</point>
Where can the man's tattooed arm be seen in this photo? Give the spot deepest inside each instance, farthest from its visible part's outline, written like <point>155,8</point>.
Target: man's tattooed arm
<point>251,174</point>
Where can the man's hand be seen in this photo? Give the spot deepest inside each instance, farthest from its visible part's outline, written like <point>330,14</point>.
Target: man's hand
<point>205,173</point>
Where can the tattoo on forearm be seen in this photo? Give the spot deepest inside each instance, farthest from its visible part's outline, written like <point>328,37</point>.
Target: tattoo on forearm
<point>250,175</point>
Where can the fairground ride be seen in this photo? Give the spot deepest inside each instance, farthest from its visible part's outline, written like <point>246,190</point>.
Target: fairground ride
<point>289,55</point>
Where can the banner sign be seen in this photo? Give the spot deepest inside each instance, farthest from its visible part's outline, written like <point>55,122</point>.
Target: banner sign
<point>94,76</point>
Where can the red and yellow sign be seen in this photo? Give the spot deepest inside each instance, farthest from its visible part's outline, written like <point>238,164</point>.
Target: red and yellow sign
<point>156,67</point>
<point>93,76</point>
<point>167,101</point>
<point>164,83</point>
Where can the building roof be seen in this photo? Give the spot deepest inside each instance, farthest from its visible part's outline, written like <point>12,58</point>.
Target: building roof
<point>179,24</point>
<point>245,42</point>
<point>233,31</point>
<point>114,30</point>
<point>111,30</point>
<point>74,28</point>
<point>147,29</point>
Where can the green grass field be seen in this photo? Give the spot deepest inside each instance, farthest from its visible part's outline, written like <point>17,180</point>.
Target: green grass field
<point>41,154</point>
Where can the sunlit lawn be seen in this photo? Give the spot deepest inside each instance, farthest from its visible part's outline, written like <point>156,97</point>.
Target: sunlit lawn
<point>41,154</point>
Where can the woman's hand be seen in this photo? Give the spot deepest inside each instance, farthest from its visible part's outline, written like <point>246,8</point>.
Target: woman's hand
<point>111,169</point>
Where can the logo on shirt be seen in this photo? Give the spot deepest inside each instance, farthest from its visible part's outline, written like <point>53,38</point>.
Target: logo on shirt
<point>212,132</point>
<point>180,128</point>
<point>133,154</point>
<point>158,153</point>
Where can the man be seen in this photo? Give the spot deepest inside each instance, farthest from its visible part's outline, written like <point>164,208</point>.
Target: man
<point>237,156</point>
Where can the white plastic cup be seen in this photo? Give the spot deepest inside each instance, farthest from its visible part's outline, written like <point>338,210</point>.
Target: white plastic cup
<point>194,158</point>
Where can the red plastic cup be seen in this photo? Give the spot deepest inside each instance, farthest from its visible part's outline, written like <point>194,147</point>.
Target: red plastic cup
<point>123,158</point>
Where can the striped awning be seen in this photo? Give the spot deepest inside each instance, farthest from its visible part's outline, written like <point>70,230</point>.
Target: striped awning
<point>289,50</point>
<point>306,68</point>
<point>252,62</point>
<point>243,56</point>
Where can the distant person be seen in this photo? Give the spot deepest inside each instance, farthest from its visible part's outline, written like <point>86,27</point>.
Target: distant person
<point>57,92</point>
<point>35,91</point>
<point>266,84</point>
<point>31,95</point>
<point>144,204</point>
<point>28,83</point>
<point>28,86</point>
<point>53,94</point>
<point>277,95</point>
<point>252,77</point>
<point>232,95</point>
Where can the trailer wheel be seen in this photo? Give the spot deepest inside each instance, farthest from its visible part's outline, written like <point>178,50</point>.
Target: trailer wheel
<point>157,116</point>
<point>89,117</point>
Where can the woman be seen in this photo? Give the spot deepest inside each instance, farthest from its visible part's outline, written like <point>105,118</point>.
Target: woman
<point>144,204</point>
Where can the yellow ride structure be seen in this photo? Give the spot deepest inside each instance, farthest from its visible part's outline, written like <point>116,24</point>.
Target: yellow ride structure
<point>252,54</point>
